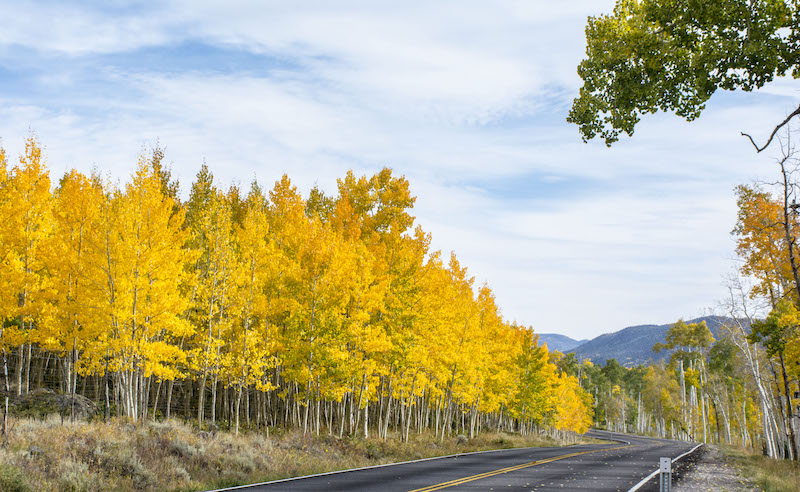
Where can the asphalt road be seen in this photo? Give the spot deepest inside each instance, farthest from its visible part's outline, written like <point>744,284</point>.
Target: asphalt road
<point>613,466</point>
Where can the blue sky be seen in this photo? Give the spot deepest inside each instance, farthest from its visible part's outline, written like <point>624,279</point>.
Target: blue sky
<point>467,99</point>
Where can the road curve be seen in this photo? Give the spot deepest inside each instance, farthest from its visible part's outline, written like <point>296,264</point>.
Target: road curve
<point>619,465</point>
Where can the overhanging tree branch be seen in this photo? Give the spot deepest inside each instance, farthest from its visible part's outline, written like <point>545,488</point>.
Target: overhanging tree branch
<point>794,113</point>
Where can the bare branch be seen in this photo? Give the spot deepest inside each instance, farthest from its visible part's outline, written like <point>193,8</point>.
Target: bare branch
<point>794,113</point>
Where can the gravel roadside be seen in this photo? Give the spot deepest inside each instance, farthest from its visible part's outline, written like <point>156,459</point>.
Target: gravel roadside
<point>711,471</point>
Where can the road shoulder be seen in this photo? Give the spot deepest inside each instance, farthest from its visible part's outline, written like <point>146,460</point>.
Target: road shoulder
<point>709,469</point>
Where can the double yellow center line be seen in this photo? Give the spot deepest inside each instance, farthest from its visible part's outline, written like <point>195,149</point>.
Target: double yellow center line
<point>471,478</point>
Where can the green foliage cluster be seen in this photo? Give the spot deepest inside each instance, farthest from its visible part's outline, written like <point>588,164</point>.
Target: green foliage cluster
<point>673,55</point>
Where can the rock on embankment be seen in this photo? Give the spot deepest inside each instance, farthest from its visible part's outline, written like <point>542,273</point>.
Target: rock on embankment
<point>44,402</point>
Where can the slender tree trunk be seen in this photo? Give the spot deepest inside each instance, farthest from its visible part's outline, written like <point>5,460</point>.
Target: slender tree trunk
<point>214,398</point>
<point>28,365</point>
<point>155,400</point>
<point>789,412</point>
<point>170,387</point>
<point>366,420</point>
<point>238,404</point>
<point>200,397</point>
<point>382,433</point>
<point>6,393</point>
<point>20,357</point>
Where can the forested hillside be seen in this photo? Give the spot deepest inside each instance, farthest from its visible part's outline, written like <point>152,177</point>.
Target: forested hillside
<point>633,345</point>
<point>258,308</point>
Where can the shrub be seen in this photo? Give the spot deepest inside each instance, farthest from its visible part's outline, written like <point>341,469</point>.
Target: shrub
<point>179,472</point>
<point>373,452</point>
<point>75,477</point>
<point>185,450</point>
<point>131,465</point>
<point>244,460</point>
<point>12,480</point>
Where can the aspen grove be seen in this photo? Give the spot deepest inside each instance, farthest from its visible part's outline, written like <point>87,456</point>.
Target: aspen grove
<point>259,309</point>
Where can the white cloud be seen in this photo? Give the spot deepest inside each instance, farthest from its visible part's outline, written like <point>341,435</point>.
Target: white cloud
<point>53,27</point>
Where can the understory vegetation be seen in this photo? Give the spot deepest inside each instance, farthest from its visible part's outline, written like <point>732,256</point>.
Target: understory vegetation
<point>769,474</point>
<point>124,455</point>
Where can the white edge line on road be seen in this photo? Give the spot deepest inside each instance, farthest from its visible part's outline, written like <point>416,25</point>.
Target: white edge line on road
<point>377,466</point>
<point>649,477</point>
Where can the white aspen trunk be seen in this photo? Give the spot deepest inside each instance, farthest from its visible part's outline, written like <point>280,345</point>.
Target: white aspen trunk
<point>703,402</point>
<point>74,378</point>
<point>409,414</point>
<point>28,365</point>
<point>447,422</point>
<point>238,404</point>
<point>436,428</point>
<point>343,409</point>
<point>727,422</point>
<point>305,416</point>
<point>404,432</point>
<point>155,400</point>
<point>21,352</point>
<point>357,410</point>
<point>317,413</point>
<point>683,394</point>
<point>739,338</point>
<point>170,387</point>
<point>382,434</point>
<point>366,419</point>
<point>639,413</point>
<point>6,392</point>
<point>743,423</point>
<point>214,384</point>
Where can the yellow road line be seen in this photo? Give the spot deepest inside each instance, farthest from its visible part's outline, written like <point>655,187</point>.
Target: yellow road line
<point>471,478</point>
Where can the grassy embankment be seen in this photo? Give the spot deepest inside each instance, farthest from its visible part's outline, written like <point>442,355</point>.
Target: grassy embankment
<point>769,474</point>
<point>49,455</point>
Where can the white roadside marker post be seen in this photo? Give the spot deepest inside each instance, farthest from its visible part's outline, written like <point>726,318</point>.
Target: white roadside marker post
<point>665,475</point>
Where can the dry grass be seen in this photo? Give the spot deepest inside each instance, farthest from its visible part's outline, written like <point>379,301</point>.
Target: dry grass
<point>769,474</point>
<point>49,455</point>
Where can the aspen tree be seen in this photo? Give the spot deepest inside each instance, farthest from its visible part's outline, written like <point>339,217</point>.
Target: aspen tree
<point>375,211</point>
<point>572,407</point>
<point>7,302</point>
<point>317,319</point>
<point>215,298</point>
<point>70,259</point>
<point>501,345</point>
<point>28,224</point>
<point>146,255</point>
<point>253,339</point>
<point>534,397</point>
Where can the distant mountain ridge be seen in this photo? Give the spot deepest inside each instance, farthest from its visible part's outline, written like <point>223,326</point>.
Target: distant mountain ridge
<point>562,343</point>
<point>631,346</point>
